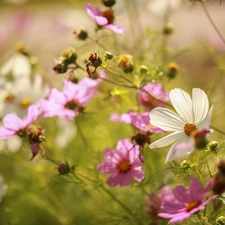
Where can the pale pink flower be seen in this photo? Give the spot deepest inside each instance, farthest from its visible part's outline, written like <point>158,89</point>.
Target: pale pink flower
<point>187,201</point>
<point>67,104</point>
<point>156,97</point>
<point>103,19</point>
<point>140,121</point>
<point>14,125</point>
<point>123,165</point>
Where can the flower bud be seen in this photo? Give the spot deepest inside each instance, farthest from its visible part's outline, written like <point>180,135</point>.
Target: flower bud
<point>60,68</point>
<point>218,182</point>
<point>220,220</point>
<point>125,62</point>
<point>95,60</point>
<point>168,29</point>
<point>143,69</point>
<point>109,15</point>
<point>185,164</point>
<point>213,146</point>
<point>108,3</point>
<point>63,168</point>
<point>108,56</point>
<point>200,138</point>
<point>69,56</point>
<point>81,33</point>
<point>173,69</point>
<point>141,138</point>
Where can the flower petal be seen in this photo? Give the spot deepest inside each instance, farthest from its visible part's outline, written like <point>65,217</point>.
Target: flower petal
<point>12,122</point>
<point>182,103</point>
<point>32,115</point>
<point>176,153</point>
<point>166,119</point>
<point>200,104</point>
<point>167,140</point>
<point>115,28</point>
<point>5,133</point>
<point>205,123</point>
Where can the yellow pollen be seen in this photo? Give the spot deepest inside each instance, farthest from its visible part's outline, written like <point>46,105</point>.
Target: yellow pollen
<point>189,128</point>
<point>192,205</point>
<point>25,102</point>
<point>124,165</point>
<point>150,126</point>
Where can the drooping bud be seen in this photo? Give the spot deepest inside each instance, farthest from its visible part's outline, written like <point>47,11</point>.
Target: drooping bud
<point>108,3</point>
<point>200,138</point>
<point>63,168</point>
<point>125,62</point>
<point>81,33</point>
<point>35,148</point>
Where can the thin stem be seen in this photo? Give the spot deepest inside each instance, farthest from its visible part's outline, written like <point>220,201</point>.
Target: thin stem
<point>114,73</point>
<point>217,129</point>
<point>212,22</point>
<point>207,164</point>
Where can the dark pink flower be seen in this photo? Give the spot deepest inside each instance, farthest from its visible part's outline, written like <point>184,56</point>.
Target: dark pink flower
<point>187,202</point>
<point>103,19</point>
<point>14,125</point>
<point>156,97</point>
<point>123,165</point>
<point>67,103</point>
<point>140,121</point>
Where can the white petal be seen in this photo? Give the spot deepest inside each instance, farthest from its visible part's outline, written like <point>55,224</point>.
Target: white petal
<point>166,119</point>
<point>176,153</point>
<point>200,104</point>
<point>167,140</point>
<point>182,102</point>
<point>205,124</point>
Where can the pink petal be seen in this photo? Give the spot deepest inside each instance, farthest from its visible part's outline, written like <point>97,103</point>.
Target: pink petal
<point>138,175</point>
<point>32,115</point>
<point>106,168</point>
<point>115,28</point>
<point>57,96</point>
<point>124,147</point>
<point>5,133</point>
<point>111,156</point>
<point>49,108</point>
<point>123,179</point>
<point>12,122</point>
<point>181,194</point>
<point>195,190</point>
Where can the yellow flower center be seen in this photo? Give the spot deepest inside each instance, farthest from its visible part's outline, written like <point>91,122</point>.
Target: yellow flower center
<point>124,166</point>
<point>25,102</point>
<point>189,128</point>
<point>192,205</point>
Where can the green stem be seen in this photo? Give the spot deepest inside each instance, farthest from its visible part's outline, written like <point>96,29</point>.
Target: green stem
<point>207,164</point>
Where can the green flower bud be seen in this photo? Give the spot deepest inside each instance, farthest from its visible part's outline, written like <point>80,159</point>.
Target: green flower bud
<point>69,55</point>
<point>213,146</point>
<point>125,62</point>
<point>81,33</point>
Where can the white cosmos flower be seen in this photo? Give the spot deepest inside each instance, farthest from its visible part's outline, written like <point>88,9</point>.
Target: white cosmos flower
<point>192,115</point>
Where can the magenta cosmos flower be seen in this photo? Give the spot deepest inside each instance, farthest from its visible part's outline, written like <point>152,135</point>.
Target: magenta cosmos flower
<point>67,103</point>
<point>187,202</point>
<point>156,97</point>
<point>123,165</point>
<point>103,19</point>
<point>14,125</point>
<point>140,121</point>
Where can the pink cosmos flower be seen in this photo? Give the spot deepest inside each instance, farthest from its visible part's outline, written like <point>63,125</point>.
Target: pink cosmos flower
<point>14,125</point>
<point>123,165</point>
<point>140,121</point>
<point>154,202</point>
<point>67,103</point>
<point>103,19</point>
<point>187,202</point>
<point>156,96</point>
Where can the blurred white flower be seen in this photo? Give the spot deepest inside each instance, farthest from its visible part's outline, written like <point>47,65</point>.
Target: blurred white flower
<point>67,131</point>
<point>18,65</point>
<point>23,92</point>
<point>159,7</point>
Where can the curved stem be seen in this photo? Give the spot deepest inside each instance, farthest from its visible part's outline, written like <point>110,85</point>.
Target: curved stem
<point>212,22</point>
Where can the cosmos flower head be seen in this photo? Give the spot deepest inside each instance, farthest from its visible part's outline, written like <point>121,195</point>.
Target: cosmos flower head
<point>153,96</point>
<point>103,19</point>
<point>186,201</point>
<point>192,116</point>
<point>140,121</point>
<point>123,164</point>
<point>68,103</point>
<point>13,125</point>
